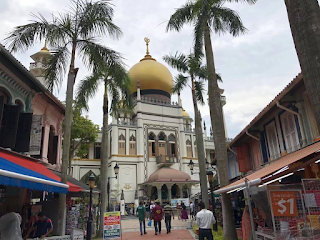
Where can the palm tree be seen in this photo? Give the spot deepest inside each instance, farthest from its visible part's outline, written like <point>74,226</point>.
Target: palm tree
<point>116,84</point>
<point>75,30</point>
<point>197,74</point>
<point>305,27</point>
<point>207,16</point>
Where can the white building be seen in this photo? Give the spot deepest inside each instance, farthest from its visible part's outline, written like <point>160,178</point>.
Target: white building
<point>152,146</point>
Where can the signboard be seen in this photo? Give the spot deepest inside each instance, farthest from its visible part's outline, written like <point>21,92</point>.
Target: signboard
<point>35,135</point>
<point>174,202</point>
<point>315,167</point>
<point>77,234</point>
<point>111,225</point>
<point>283,203</point>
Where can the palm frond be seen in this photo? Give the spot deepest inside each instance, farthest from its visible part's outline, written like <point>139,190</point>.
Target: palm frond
<point>56,67</point>
<point>223,19</point>
<point>115,94</point>
<point>202,73</point>
<point>180,82</point>
<point>96,18</point>
<point>178,61</point>
<point>199,28</point>
<point>98,57</point>
<point>199,89</point>
<point>87,89</point>
<point>182,15</point>
<point>241,1</point>
<point>219,77</point>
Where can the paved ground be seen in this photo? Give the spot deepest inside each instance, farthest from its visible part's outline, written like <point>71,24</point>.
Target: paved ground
<point>175,234</point>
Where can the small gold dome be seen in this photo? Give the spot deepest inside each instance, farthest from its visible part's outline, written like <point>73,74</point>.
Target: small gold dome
<point>184,113</point>
<point>151,75</point>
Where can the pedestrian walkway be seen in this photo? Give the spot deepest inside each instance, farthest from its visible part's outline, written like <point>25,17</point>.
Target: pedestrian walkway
<point>175,234</point>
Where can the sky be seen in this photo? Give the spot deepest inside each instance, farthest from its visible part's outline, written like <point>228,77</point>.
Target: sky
<point>254,67</point>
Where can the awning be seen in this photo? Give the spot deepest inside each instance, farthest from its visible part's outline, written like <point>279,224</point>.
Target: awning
<point>274,167</point>
<point>15,175</point>
<point>36,167</point>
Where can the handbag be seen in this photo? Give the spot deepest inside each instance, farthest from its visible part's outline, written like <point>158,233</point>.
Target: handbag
<point>149,223</point>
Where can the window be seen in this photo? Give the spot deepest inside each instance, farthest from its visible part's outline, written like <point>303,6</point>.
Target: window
<point>97,150</point>
<point>189,149</point>
<point>290,132</point>
<point>5,95</point>
<point>122,145</point>
<point>152,144</point>
<point>132,145</point>
<point>172,145</point>
<point>52,146</point>
<point>195,149</point>
<point>162,144</point>
<point>272,139</point>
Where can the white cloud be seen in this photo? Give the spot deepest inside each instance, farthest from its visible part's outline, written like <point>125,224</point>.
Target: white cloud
<point>254,66</point>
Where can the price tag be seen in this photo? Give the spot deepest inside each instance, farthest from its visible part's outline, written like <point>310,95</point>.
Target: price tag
<point>283,203</point>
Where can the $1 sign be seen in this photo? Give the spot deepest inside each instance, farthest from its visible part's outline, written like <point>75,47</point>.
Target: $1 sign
<point>284,203</point>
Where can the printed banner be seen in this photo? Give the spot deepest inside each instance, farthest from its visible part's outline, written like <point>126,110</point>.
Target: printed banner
<point>111,225</point>
<point>35,135</point>
<point>179,200</point>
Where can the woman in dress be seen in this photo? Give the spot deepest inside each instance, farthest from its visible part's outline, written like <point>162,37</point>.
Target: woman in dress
<point>184,214</point>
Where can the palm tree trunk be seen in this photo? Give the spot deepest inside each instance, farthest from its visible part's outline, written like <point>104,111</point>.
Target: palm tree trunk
<point>66,143</point>
<point>104,160</point>
<point>217,123</point>
<point>304,19</point>
<point>200,149</point>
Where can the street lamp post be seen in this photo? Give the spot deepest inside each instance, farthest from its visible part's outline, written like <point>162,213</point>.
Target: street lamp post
<point>89,223</point>
<point>116,171</point>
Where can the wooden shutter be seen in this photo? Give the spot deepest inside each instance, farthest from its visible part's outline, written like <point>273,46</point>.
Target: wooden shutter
<point>272,141</point>
<point>9,126</point>
<point>1,108</point>
<point>55,149</point>
<point>263,147</point>
<point>290,132</point>
<point>241,159</point>
<point>23,133</point>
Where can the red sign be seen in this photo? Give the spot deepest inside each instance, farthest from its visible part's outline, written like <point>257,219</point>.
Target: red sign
<point>283,203</point>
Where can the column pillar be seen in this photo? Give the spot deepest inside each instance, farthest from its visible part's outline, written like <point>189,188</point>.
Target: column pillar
<point>159,193</point>
<point>45,143</point>
<point>181,191</point>
<point>169,193</point>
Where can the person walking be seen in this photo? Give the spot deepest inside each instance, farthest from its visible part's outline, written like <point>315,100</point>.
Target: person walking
<point>157,214</point>
<point>179,208</point>
<point>184,213</point>
<point>167,217</point>
<point>191,210</point>
<point>148,210</point>
<point>141,213</point>
<point>205,220</point>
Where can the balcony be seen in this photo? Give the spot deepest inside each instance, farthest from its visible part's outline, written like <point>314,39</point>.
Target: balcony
<point>165,159</point>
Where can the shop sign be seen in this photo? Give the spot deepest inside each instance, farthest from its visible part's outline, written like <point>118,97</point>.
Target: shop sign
<point>111,225</point>
<point>283,203</point>
<point>35,135</point>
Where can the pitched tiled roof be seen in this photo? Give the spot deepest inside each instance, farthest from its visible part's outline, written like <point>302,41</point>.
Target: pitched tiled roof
<point>292,84</point>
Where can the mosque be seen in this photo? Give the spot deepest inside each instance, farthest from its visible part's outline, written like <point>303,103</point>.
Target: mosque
<point>151,145</point>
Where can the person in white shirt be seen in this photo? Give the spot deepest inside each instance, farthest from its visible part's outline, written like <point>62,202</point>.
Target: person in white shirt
<point>152,206</point>
<point>192,210</point>
<point>204,220</point>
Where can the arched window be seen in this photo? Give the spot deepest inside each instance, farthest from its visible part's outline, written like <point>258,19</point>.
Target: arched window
<point>189,148</point>
<point>132,143</point>
<point>195,149</point>
<point>162,144</point>
<point>122,145</point>
<point>152,144</point>
<point>172,145</point>
<point>20,104</point>
<point>52,146</point>
<point>5,94</point>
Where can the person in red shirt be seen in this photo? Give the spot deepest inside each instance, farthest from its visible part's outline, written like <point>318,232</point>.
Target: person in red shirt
<point>157,214</point>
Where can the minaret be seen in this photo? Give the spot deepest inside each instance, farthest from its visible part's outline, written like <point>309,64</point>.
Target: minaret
<point>37,67</point>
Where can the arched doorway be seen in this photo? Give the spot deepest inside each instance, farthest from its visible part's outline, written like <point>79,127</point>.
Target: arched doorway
<point>5,95</point>
<point>154,193</point>
<point>164,193</point>
<point>175,191</point>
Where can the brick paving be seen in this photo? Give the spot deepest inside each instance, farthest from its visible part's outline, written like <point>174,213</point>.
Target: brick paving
<point>175,234</point>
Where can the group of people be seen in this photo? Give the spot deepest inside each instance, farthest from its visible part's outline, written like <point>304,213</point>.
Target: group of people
<point>204,218</point>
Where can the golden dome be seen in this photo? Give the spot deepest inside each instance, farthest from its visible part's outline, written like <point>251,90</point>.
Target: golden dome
<point>184,113</point>
<point>151,75</point>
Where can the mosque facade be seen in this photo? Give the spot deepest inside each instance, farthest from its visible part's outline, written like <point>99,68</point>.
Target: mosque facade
<point>152,145</point>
